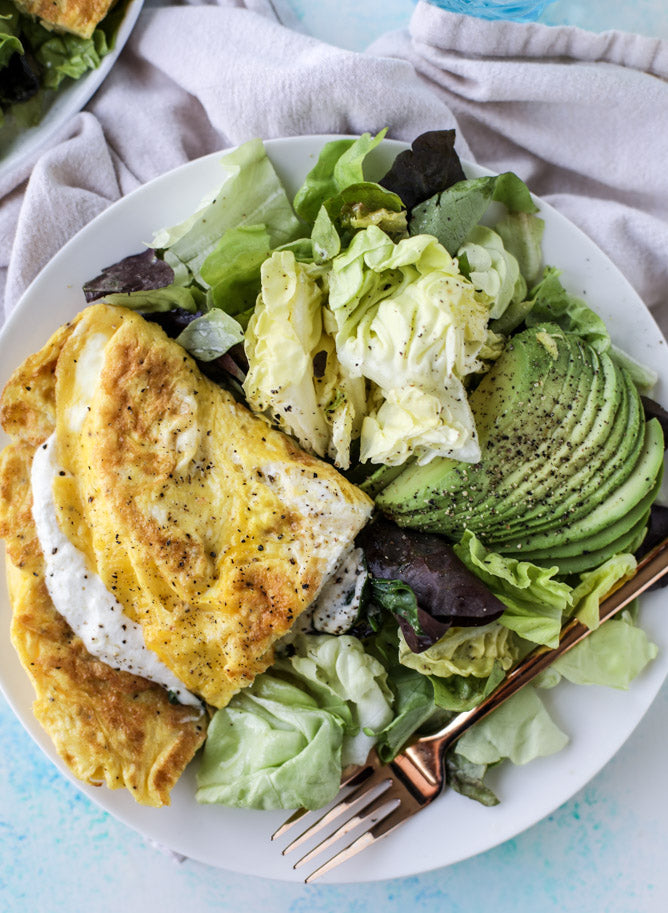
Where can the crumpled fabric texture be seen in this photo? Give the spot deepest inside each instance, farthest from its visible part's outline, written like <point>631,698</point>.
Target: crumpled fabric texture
<point>580,117</point>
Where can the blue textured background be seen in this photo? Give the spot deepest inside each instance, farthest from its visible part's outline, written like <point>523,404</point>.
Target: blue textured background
<point>603,852</point>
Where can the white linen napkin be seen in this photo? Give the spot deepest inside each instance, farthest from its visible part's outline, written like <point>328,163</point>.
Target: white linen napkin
<point>581,117</point>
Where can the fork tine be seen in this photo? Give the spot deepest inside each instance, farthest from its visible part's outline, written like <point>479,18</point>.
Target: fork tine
<point>377,805</point>
<point>360,797</point>
<point>355,776</point>
<point>290,822</point>
<point>389,820</point>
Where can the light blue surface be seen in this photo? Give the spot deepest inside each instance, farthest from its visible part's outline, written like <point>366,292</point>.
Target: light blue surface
<point>603,852</point>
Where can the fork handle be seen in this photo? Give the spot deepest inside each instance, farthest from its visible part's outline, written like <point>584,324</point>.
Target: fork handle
<point>425,751</point>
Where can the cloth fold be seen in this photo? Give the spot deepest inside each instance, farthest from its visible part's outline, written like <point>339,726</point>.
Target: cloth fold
<point>580,117</point>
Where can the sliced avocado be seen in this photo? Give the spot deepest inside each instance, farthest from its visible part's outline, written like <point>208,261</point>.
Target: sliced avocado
<point>589,560</point>
<point>606,536</point>
<point>568,469</point>
<point>596,471</point>
<point>526,491</point>
<point>639,483</point>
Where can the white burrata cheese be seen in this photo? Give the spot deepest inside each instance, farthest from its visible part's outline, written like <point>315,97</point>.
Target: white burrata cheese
<point>81,597</point>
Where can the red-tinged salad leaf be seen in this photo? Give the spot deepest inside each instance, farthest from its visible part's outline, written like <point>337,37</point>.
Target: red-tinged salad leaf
<point>655,410</point>
<point>445,591</point>
<point>138,272</point>
<point>430,166</point>
<point>657,531</point>
<point>452,214</point>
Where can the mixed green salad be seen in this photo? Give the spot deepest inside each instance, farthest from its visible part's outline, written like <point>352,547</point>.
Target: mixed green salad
<point>407,330</point>
<point>36,61</point>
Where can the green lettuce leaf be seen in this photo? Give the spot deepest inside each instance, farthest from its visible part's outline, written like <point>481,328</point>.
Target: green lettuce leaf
<point>468,778</point>
<point>553,304</point>
<point>535,602</point>
<point>232,269</point>
<point>521,730</point>
<point>63,55</point>
<point>354,208</point>
<point>339,165</point>
<point>454,213</point>
<point>282,742</point>
<point>10,42</point>
<point>211,335</point>
<point>613,655</point>
<point>463,692</point>
<point>643,377</point>
<point>151,301</point>
<point>595,585</point>
<point>252,195</point>
<point>522,234</point>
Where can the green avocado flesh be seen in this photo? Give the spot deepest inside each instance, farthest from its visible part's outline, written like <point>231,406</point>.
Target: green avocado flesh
<point>569,466</point>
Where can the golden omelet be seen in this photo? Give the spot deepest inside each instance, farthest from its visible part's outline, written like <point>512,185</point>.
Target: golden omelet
<point>80,17</point>
<point>108,726</point>
<point>212,530</point>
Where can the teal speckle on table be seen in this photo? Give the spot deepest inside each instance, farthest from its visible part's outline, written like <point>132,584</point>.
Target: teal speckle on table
<point>604,851</point>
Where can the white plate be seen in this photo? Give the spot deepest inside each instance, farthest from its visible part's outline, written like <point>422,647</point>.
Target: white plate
<point>19,144</point>
<point>598,720</point>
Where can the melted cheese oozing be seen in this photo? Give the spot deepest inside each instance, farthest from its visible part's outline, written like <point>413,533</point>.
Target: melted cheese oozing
<point>81,597</point>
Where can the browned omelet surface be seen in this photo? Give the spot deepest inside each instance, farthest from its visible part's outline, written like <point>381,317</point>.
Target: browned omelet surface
<point>107,725</point>
<point>77,16</point>
<point>212,529</point>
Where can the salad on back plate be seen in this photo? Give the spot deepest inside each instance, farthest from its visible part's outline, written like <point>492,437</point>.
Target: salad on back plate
<point>407,334</point>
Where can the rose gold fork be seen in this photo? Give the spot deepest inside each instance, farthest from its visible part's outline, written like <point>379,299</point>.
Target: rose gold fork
<point>380,796</point>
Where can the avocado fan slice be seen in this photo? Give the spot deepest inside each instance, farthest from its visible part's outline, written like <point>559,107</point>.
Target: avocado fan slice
<point>593,482</point>
<point>617,506</point>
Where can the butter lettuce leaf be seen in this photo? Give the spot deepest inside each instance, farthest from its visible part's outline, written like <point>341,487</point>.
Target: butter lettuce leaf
<point>474,651</point>
<point>337,669</point>
<point>211,335</point>
<point>520,730</point>
<point>281,341</point>
<point>294,374</point>
<point>407,321</point>
<point>535,602</point>
<point>282,742</point>
<point>613,655</point>
<point>492,269</point>
<point>271,747</point>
